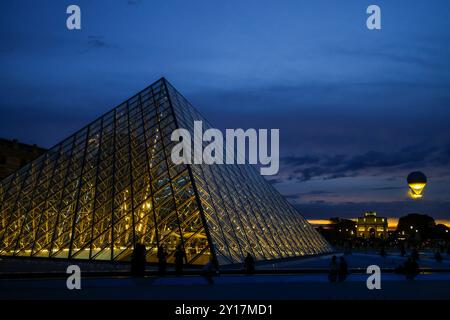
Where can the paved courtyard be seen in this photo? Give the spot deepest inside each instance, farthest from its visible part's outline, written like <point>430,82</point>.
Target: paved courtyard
<point>428,285</point>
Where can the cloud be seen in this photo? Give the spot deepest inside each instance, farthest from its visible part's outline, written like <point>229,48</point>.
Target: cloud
<point>328,167</point>
<point>315,192</point>
<point>297,161</point>
<point>309,195</point>
<point>274,181</point>
<point>97,42</point>
<point>385,188</point>
<point>425,53</point>
<point>443,156</point>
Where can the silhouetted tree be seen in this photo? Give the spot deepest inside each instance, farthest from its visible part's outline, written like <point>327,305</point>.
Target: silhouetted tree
<point>416,227</point>
<point>339,231</point>
<point>441,232</point>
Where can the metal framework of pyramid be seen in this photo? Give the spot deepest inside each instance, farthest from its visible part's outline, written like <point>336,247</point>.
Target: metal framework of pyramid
<point>112,185</point>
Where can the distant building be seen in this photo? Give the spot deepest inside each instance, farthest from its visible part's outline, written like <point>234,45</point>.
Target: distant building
<point>14,155</point>
<point>371,226</point>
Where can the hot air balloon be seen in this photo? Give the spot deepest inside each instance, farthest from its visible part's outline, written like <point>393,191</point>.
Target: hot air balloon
<point>416,182</point>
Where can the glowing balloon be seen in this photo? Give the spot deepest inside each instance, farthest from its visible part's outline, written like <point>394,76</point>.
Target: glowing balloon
<point>416,182</point>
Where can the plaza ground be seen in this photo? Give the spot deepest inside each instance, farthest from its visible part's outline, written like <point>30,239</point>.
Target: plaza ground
<point>315,285</point>
<point>361,260</point>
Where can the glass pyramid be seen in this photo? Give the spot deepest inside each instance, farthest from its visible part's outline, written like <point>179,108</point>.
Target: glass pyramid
<point>112,184</point>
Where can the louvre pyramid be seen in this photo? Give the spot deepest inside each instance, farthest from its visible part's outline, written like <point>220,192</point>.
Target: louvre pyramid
<point>112,184</point>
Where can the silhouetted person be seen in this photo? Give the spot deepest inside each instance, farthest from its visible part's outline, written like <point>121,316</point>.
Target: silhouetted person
<point>138,261</point>
<point>411,268</point>
<point>209,270</point>
<point>400,269</point>
<point>348,248</point>
<point>162,263</point>
<point>334,269</point>
<point>402,250</point>
<point>343,269</point>
<point>438,256</point>
<point>415,254</point>
<point>383,252</point>
<point>179,260</point>
<point>249,264</point>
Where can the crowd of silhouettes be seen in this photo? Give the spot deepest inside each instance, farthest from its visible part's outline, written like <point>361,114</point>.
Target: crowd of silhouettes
<point>410,268</point>
<point>209,269</point>
<point>338,270</point>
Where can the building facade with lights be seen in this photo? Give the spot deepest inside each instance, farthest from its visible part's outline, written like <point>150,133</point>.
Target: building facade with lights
<point>112,184</point>
<point>371,226</point>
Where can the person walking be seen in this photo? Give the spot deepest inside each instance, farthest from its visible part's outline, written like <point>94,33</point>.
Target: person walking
<point>415,254</point>
<point>209,270</point>
<point>438,256</point>
<point>249,264</point>
<point>138,260</point>
<point>411,268</point>
<point>162,262</point>
<point>343,269</point>
<point>383,251</point>
<point>334,268</point>
<point>179,260</point>
<point>402,250</point>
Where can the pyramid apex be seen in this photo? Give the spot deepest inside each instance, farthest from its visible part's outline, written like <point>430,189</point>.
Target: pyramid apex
<point>162,79</point>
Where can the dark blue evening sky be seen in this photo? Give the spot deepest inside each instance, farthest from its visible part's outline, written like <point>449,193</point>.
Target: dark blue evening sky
<point>357,109</point>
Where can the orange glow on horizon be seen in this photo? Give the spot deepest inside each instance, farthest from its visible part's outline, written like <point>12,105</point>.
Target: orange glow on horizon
<point>319,222</point>
<point>444,222</point>
<point>392,222</point>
